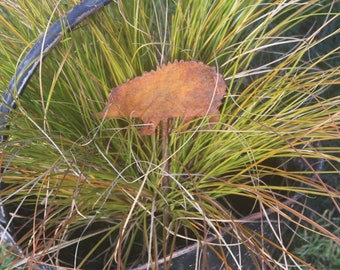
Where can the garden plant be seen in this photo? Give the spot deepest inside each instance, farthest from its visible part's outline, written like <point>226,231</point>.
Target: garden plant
<point>231,188</point>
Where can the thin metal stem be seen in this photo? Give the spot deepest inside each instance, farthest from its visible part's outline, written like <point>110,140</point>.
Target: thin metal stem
<point>45,44</point>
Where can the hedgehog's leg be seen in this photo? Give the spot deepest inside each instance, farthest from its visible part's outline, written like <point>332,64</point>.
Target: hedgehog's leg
<point>215,115</point>
<point>214,118</point>
<point>149,128</point>
<point>110,111</point>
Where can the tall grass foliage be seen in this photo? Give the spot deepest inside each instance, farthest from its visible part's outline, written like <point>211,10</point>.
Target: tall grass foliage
<point>83,191</point>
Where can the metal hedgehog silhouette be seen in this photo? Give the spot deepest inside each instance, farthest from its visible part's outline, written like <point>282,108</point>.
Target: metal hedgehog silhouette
<point>186,89</point>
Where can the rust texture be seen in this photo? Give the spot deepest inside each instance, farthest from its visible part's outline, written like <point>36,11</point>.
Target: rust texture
<point>186,89</point>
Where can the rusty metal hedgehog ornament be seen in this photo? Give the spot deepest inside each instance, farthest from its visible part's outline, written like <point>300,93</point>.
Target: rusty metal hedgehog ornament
<point>186,89</point>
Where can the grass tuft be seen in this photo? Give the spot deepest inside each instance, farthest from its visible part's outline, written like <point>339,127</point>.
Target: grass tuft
<point>81,190</point>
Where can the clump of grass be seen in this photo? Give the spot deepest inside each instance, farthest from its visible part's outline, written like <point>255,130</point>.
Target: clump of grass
<point>314,248</point>
<point>95,186</point>
<point>7,259</point>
